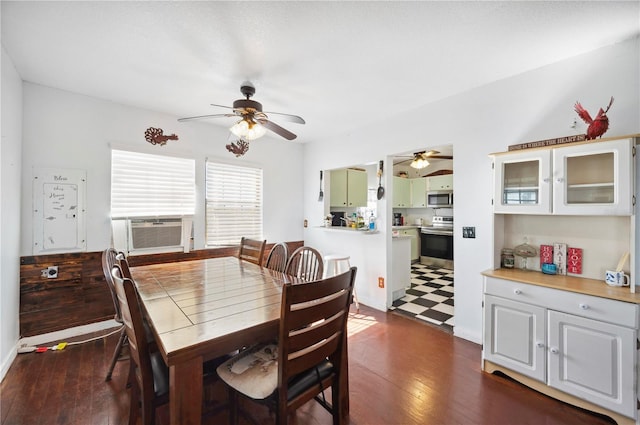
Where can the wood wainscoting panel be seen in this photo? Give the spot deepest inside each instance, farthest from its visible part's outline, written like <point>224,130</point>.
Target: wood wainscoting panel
<point>79,295</point>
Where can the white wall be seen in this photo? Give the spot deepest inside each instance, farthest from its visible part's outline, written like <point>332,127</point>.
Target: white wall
<point>58,129</point>
<point>10,167</point>
<point>67,130</point>
<point>533,106</point>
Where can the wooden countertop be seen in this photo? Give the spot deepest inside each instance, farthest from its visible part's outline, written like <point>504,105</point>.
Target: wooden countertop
<point>566,283</point>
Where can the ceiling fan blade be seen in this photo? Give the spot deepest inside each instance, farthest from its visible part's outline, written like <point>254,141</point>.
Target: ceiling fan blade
<point>270,125</point>
<point>221,106</point>
<point>288,117</point>
<point>404,160</point>
<point>205,116</point>
<point>440,157</point>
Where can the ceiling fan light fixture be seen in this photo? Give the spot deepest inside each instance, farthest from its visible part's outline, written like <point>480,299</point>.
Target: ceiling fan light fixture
<point>248,129</point>
<point>419,162</point>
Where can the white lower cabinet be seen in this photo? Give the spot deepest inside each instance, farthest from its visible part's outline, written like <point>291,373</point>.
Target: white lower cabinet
<point>516,337</point>
<point>582,345</point>
<point>593,360</point>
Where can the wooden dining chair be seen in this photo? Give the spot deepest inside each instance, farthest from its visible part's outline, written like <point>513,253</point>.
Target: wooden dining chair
<point>251,250</point>
<point>306,360</point>
<point>306,263</point>
<point>109,259</point>
<point>277,258</point>
<point>149,374</point>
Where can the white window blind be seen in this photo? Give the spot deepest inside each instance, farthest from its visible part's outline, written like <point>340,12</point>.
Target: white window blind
<point>151,185</point>
<point>234,203</point>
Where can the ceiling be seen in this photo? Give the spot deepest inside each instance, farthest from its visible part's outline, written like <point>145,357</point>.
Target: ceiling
<point>339,65</point>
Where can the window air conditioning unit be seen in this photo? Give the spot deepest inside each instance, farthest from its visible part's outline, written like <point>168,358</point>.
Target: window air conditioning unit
<point>155,235</point>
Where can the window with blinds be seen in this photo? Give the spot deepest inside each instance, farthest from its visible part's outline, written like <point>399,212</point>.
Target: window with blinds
<point>233,203</point>
<point>145,185</point>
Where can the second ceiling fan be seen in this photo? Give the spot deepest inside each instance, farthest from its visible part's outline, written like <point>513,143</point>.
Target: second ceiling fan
<point>253,121</point>
<point>421,159</point>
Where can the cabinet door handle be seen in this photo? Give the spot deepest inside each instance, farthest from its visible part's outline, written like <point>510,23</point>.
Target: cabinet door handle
<point>517,291</point>
<point>559,180</point>
<point>554,350</point>
<point>547,180</point>
<point>540,344</point>
<point>584,306</point>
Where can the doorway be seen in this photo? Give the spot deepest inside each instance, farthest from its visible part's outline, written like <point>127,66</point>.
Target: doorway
<point>428,174</point>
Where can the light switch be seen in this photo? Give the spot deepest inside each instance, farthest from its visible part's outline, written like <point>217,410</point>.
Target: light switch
<point>468,232</point>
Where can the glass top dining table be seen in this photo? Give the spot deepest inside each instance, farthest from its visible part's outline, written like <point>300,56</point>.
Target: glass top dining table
<point>202,309</point>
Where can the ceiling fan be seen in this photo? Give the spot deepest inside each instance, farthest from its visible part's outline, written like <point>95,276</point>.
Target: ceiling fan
<point>421,159</point>
<point>253,121</point>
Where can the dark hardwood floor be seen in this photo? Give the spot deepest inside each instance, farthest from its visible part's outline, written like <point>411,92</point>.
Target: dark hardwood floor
<point>401,372</point>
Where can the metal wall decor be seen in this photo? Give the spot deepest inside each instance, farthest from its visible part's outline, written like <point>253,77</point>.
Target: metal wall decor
<point>155,136</point>
<point>238,148</point>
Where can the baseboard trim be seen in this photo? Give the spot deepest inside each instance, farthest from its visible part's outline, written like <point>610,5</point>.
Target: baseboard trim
<point>8,361</point>
<point>467,334</point>
<point>61,336</point>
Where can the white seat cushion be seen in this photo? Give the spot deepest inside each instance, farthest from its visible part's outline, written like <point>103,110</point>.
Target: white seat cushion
<point>253,372</point>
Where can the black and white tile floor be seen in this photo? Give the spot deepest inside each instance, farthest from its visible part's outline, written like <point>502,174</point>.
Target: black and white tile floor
<point>430,297</point>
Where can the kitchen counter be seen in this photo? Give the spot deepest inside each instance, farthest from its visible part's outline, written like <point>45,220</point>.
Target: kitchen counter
<point>567,283</point>
<point>363,230</point>
<point>411,226</point>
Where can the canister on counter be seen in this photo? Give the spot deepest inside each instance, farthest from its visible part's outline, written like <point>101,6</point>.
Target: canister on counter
<point>507,258</point>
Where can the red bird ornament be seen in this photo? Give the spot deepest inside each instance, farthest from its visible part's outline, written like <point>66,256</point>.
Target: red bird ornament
<point>598,125</point>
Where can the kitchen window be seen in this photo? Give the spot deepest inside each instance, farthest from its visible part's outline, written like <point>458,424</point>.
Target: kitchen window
<point>233,203</point>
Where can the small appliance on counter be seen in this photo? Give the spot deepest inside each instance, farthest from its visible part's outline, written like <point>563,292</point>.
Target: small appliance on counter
<point>337,218</point>
<point>397,219</point>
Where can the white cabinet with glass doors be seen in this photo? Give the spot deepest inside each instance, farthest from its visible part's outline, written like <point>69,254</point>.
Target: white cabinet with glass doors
<point>582,179</point>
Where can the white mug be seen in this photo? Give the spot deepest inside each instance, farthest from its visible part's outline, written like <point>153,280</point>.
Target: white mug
<point>614,278</point>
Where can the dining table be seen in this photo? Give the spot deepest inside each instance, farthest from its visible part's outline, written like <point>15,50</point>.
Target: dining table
<point>199,310</point>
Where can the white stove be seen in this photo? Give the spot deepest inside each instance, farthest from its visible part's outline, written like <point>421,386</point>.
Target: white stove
<point>440,225</point>
<point>436,242</point>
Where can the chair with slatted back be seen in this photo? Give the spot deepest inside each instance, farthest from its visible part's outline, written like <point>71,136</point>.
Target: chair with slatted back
<point>251,250</point>
<point>277,258</point>
<point>305,263</point>
<point>109,259</point>
<point>149,374</point>
<point>308,356</point>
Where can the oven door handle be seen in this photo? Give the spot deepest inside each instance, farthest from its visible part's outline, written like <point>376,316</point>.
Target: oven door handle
<point>437,232</point>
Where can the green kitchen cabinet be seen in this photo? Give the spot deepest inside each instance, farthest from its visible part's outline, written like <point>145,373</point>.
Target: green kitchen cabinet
<point>348,188</point>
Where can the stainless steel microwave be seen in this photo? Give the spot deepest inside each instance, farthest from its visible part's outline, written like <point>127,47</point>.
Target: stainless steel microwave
<point>440,199</point>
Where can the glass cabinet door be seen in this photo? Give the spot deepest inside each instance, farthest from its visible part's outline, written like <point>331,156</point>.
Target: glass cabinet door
<point>593,178</point>
<point>522,183</point>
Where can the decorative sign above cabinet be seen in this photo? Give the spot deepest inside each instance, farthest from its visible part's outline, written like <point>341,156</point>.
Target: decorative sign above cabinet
<point>548,142</point>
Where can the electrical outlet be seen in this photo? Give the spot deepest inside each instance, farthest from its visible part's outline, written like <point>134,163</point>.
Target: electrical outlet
<point>468,232</point>
<point>51,272</point>
<point>381,282</point>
